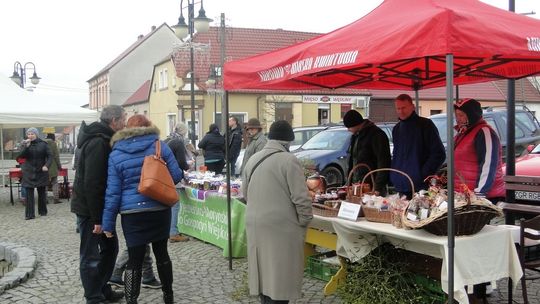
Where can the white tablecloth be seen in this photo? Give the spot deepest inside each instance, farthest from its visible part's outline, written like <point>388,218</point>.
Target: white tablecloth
<point>484,257</point>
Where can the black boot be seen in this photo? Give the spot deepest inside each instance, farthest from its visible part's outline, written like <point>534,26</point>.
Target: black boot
<point>132,285</point>
<point>166,276</point>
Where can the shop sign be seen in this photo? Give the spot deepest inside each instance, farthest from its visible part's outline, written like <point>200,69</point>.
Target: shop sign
<point>329,99</point>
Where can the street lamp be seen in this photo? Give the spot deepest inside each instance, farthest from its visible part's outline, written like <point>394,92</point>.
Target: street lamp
<point>201,24</point>
<point>213,79</point>
<point>19,73</point>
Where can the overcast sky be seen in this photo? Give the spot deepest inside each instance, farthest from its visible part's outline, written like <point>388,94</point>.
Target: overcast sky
<point>70,40</point>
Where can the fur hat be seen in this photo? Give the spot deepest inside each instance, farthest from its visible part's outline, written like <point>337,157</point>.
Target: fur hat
<point>471,107</point>
<point>33,130</point>
<point>352,118</point>
<point>253,123</point>
<point>281,130</point>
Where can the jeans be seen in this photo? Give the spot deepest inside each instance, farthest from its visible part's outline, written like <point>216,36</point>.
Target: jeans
<point>174,219</point>
<point>97,256</point>
<point>147,271</point>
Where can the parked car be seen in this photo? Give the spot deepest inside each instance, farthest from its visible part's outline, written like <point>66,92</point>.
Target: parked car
<point>528,164</point>
<point>328,150</point>
<point>527,128</point>
<point>301,135</point>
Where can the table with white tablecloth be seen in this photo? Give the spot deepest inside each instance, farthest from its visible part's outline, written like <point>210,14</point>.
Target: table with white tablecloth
<point>486,256</point>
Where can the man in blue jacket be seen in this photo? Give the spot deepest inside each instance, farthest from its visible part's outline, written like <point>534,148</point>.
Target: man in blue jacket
<point>97,252</point>
<point>418,149</point>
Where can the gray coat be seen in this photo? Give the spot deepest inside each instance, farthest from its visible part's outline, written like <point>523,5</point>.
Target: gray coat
<point>277,215</point>
<point>255,145</point>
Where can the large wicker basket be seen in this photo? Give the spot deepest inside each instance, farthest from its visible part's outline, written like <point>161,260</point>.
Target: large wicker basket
<point>469,218</point>
<point>374,214</point>
<point>356,196</point>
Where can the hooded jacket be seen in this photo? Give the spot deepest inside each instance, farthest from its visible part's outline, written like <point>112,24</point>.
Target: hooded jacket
<point>91,176</point>
<point>130,146</point>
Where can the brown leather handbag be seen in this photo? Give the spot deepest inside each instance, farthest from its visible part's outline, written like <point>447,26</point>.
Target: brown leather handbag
<point>156,181</point>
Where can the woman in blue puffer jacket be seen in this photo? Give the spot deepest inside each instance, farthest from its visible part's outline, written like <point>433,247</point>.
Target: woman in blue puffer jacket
<point>144,220</point>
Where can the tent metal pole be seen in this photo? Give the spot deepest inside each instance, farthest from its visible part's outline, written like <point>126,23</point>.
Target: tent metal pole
<point>417,101</point>
<point>228,179</point>
<point>450,165</point>
<point>2,150</point>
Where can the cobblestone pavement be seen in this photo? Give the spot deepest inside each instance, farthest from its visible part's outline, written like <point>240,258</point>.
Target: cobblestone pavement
<point>201,273</point>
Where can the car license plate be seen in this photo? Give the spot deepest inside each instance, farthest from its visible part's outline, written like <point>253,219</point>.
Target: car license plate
<point>528,195</point>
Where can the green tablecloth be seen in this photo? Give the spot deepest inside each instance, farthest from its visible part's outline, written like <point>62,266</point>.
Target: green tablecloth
<point>203,215</point>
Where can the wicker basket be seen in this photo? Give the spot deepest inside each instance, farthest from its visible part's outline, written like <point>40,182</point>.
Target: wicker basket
<point>323,210</point>
<point>469,218</point>
<point>353,197</point>
<point>375,214</point>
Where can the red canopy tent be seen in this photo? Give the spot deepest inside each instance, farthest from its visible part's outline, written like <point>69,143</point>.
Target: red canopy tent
<point>402,44</point>
<point>405,44</point>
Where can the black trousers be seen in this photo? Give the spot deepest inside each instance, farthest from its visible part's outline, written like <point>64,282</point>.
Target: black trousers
<point>97,257</point>
<point>30,202</point>
<point>216,167</point>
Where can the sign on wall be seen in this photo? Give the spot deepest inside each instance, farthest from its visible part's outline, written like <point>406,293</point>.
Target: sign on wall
<point>329,99</point>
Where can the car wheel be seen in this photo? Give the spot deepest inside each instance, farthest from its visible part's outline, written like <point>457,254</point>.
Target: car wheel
<point>333,176</point>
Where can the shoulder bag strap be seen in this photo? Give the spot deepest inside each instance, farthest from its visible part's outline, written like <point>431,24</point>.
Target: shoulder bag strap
<point>158,149</point>
<point>258,163</point>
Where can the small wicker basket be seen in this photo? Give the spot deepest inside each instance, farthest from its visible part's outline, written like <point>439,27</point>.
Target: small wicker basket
<point>375,214</point>
<point>352,195</point>
<point>323,210</point>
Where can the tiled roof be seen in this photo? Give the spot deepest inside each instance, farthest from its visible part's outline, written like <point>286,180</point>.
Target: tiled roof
<point>240,43</point>
<point>486,91</point>
<point>140,96</point>
<point>128,50</point>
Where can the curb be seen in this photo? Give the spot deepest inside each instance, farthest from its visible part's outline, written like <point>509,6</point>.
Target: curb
<point>23,261</point>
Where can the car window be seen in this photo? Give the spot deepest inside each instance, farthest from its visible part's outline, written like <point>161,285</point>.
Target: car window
<point>327,140</point>
<point>527,120</point>
<point>298,138</point>
<point>493,125</point>
<point>440,123</point>
<point>518,131</point>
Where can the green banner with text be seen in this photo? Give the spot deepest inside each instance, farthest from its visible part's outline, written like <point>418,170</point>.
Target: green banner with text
<point>204,217</point>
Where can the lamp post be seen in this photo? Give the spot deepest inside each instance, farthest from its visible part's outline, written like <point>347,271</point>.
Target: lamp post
<point>19,73</point>
<point>201,24</point>
<point>213,79</point>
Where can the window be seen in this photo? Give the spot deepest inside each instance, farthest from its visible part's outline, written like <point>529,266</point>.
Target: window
<point>242,117</point>
<point>433,112</point>
<point>163,81</point>
<point>171,122</point>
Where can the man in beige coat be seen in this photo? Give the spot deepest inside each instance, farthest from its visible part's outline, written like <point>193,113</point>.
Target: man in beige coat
<point>278,213</point>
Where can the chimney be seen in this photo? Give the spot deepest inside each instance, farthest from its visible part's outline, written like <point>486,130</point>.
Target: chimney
<point>153,28</point>
<point>140,37</point>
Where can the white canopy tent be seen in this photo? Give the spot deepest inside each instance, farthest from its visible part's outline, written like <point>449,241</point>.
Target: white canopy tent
<point>22,109</point>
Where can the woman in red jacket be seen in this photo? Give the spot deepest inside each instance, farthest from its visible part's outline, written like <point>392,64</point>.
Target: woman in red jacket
<point>478,161</point>
<point>477,152</point>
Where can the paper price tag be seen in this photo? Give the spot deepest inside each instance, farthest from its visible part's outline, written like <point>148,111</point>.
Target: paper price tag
<point>349,211</point>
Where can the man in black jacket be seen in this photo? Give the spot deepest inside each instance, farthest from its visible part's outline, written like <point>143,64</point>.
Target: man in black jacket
<point>97,252</point>
<point>235,142</point>
<point>369,145</point>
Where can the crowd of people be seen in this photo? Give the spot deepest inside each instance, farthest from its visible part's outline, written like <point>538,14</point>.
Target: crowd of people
<point>110,159</point>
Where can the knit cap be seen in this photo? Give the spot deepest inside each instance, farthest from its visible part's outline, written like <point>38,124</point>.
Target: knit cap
<point>281,130</point>
<point>352,118</point>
